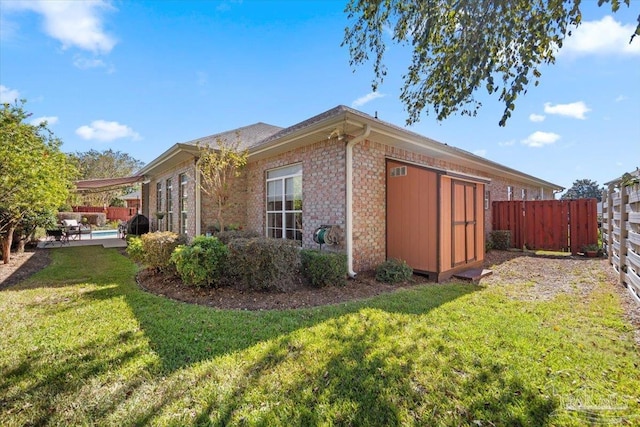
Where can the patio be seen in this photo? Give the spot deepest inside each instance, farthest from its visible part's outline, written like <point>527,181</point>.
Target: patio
<point>106,242</point>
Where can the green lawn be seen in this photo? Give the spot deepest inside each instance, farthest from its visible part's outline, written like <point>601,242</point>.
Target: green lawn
<point>82,345</point>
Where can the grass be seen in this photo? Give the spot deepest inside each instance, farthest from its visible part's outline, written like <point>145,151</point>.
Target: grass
<point>82,345</point>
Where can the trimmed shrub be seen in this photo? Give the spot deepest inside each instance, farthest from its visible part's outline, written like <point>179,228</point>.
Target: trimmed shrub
<point>227,236</point>
<point>201,263</point>
<point>324,268</point>
<point>501,239</point>
<point>134,248</point>
<point>393,271</point>
<point>263,264</point>
<point>157,248</point>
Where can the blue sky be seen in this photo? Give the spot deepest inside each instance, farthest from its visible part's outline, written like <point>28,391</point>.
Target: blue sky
<point>139,76</point>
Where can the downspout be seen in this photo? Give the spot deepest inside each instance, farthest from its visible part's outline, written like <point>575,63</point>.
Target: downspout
<point>349,218</point>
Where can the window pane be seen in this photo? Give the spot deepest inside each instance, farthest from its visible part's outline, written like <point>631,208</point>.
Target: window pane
<point>289,170</point>
<point>274,220</point>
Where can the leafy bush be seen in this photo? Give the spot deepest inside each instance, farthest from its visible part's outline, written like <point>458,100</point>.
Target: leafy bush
<point>157,248</point>
<point>263,264</point>
<point>134,248</point>
<point>393,271</point>
<point>201,263</point>
<point>501,239</point>
<point>324,268</point>
<point>227,236</point>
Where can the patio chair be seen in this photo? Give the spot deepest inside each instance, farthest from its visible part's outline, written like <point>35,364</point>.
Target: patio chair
<point>74,230</point>
<point>56,235</point>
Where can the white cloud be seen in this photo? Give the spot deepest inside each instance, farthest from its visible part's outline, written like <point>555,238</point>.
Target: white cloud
<point>621,98</point>
<point>86,63</point>
<point>603,37</point>
<point>536,118</point>
<point>102,130</point>
<point>540,139</point>
<point>365,99</point>
<point>8,96</point>
<point>51,120</point>
<point>481,153</point>
<point>576,110</point>
<point>73,23</point>
<point>507,143</point>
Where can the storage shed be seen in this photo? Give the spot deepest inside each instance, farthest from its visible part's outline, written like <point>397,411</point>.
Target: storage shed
<point>435,219</point>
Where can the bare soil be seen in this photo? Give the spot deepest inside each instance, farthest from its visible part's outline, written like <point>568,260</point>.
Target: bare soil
<point>22,266</point>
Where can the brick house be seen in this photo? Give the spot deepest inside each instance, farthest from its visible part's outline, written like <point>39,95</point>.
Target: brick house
<point>390,192</point>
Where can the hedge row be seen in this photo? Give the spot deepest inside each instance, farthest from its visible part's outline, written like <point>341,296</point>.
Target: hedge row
<point>255,263</point>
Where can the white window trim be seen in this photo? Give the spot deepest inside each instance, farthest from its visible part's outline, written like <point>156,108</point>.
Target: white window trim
<point>283,211</point>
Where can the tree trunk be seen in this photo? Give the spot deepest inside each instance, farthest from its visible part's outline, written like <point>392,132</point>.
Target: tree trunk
<point>6,244</point>
<point>21,239</point>
<point>220,219</point>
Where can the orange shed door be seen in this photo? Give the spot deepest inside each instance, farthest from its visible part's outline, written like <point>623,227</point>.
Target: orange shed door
<point>412,215</point>
<point>464,223</point>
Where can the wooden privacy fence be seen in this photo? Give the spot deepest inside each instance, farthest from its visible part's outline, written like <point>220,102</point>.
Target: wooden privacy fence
<point>113,213</point>
<point>621,234</point>
<point>553,225</point>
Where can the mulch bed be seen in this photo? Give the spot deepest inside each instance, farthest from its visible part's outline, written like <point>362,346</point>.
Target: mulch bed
<point>364,286</point>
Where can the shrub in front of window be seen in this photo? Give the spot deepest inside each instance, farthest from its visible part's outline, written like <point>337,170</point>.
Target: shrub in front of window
<point>227,236</point>
<point>501,239</point>
<point>263,264</point>
<point>393,271</point>
<point>324,268</point>
<point>158,247</point>
<point>202,262</point>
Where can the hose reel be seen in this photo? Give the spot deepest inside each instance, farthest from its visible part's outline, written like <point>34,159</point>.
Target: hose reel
<point>327,234</point>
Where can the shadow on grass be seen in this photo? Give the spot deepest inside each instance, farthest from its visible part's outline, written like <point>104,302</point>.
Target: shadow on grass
<point>37,261</point>
<point>182,334</point>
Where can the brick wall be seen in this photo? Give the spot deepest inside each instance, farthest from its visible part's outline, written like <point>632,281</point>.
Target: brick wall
<point>324,192</point>
<point>235,210</point>
<point>323,187</point>
<point>187,168</point>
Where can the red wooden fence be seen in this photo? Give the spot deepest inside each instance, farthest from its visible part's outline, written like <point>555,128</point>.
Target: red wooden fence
<point>554,225</point>
<point>113,213</point>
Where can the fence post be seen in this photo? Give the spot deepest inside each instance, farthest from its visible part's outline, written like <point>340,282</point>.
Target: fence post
<point>624,230</point>
<point>609,222</point>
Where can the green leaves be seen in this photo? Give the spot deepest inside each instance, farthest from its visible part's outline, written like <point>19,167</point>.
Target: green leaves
<point>34,174</point>
<point>461,46</point>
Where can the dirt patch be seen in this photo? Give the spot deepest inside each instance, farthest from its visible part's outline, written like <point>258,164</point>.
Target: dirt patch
<point>23,265</point>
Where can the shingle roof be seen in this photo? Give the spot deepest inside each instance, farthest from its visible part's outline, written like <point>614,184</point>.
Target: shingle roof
<point>249,136</point>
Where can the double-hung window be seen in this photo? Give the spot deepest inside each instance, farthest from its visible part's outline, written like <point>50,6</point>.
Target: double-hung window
<point>169,205</point>
<point>159,202</point>
<point>284,203</point>
<point>183,203</point>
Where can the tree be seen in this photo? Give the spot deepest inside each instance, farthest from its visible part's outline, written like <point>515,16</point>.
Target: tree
<point>460,46</point>
<point>583,189</point>
<point>106,164</point>
<point>35,175</point>
<point>219,166</point>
